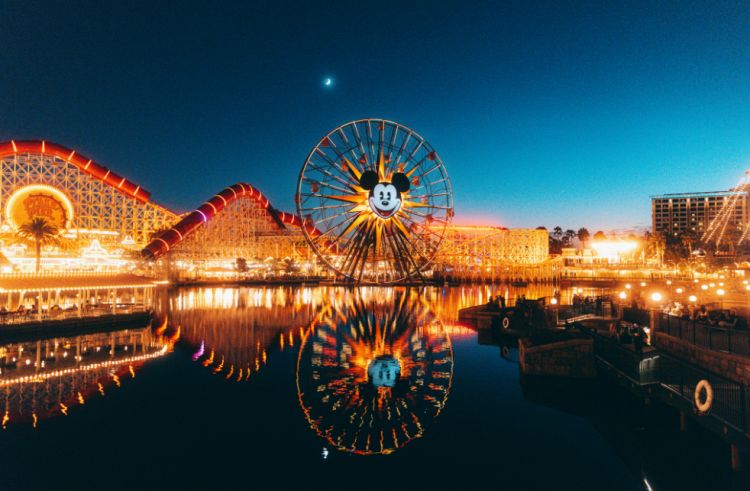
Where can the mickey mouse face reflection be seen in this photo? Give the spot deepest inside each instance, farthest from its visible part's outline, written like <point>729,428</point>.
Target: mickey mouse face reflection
<point>385,197</point>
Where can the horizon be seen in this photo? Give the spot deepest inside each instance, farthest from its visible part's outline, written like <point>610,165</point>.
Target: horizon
<point>569,115</point>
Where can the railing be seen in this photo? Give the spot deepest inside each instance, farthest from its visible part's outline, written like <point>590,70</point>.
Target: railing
<point>731,402</point>
<point>636,316</point>
<point>16,317</point>
<point>639,367</point>
<point>726,339</point>
<point>601,309</point>
<point>21,275</point>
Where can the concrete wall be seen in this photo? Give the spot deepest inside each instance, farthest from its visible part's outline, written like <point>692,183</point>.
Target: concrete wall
<point>571,358</point>
<point>733,367</point>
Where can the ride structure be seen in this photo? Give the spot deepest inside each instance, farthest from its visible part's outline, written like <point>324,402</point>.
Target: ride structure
<point>727,227</point>
<point>379,199</point>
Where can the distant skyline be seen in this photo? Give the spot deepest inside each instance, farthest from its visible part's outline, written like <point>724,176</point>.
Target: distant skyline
<point>545,113</point>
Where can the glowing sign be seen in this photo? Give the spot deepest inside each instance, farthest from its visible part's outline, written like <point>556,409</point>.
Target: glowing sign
<point>39,200</point>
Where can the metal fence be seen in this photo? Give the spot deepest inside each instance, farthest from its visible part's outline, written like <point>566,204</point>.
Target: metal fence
<point>729,340</point>
<point>731,403</point>
<point>639,367</point>
<point>636,316</point>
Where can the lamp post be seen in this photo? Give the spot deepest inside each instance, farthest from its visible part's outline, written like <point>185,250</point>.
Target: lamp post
<point>656,299</point>
<point>720,292</point>
<point>553,302</point>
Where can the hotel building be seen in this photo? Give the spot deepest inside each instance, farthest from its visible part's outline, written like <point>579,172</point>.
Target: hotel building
<point>677,214</point>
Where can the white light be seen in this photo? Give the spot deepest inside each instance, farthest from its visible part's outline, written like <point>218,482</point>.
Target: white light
<point>627,286</point>
<point>553,301</point>
<point>704,287</point>
<point>643,283</point>
<point>720,291</point>
<point>693,298</point>
<point>656,297</point>
<point>623,295</point>
<point>679,290</point>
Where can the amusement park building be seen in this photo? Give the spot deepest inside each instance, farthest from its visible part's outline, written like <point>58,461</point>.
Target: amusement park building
<point>109,223</point>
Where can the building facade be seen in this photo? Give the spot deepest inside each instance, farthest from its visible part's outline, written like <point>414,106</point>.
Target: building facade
<point>692,213</point>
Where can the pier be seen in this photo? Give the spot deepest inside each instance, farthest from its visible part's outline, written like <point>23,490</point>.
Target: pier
<point>700,370</point>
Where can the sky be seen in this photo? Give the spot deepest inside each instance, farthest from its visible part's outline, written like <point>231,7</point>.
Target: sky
<point>545,113</point>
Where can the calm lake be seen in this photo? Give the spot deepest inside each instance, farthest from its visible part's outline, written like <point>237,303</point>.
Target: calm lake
<point>327,387</point>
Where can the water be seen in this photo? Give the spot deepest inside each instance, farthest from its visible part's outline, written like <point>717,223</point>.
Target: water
<point>326,388</point>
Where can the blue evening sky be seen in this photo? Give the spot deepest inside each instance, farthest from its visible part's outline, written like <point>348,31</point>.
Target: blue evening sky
<point>545,113</point>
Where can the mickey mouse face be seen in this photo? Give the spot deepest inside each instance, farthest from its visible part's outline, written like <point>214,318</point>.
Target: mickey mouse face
<point>385,197</point>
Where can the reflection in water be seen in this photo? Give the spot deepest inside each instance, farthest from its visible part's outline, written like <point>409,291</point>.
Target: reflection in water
<point>42,378</point>
<point>232,331</point>
<point>373,373</point>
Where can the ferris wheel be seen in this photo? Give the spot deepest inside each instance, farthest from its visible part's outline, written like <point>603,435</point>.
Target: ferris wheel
<point>375,200</point>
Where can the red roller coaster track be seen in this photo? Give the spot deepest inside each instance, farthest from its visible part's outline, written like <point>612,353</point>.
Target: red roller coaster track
<point>84,164</point>
<point>168,239</point>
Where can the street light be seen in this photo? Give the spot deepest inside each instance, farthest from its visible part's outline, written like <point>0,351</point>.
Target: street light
<point>704,287</point>
<point>693,298</point>
<point>627,286</point>
<point>553,301</point>
<point>643,283</point>
<point>624,295</point>
<point>720,293</point>
<point>656,297</point>
<point>679,290</point>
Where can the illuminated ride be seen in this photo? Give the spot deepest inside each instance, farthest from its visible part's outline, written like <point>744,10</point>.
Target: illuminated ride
<point>375,200</point>
<point>372,375</point>
<point>726,227</point>
<point>75,194</point>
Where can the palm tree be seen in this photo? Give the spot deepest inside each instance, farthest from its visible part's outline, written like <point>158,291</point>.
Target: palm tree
<point>40,232</point>
<point>557,232</point>
<point>583,236</point>
<point>290,265</point>
<point>568,237</point>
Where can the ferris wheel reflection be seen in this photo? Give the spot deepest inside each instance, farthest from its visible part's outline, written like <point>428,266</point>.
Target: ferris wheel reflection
<point>372,375</point>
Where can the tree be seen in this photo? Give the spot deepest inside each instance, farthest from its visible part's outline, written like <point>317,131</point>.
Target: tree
<point>583,236</point>
<point>599,235</point>
<point>241,265</point>
<point>289,265</point>
<point>656,245</point>
<point>689,239</point>
<point>40,232</point>
<point>568,237</point>
<point>557,232</point>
